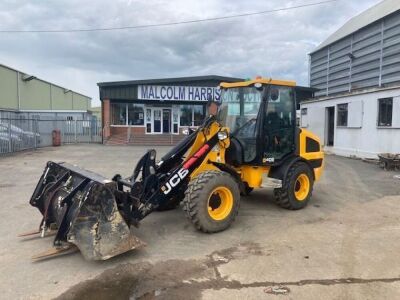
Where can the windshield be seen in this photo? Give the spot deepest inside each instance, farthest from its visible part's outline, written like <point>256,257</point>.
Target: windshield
<point>239,109</point>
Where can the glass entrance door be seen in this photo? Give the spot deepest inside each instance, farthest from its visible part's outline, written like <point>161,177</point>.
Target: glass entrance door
<point>166,121</point>
<point>157,120</point>
<point>149,122</point>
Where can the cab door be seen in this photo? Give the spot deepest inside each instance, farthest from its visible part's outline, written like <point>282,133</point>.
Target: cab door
<point>246,124</point>
<point>279,124</point>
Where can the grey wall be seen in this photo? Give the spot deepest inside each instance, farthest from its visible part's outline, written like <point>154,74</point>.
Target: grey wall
<point>370,57</point>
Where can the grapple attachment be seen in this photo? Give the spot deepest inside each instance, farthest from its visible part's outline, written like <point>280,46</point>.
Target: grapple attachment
<point>82,208</point>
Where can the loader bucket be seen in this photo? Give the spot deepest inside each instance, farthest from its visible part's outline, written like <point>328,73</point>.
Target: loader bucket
<point>82,207</point>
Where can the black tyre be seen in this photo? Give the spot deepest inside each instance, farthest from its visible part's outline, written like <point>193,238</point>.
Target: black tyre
<point>212,201</point>
<point>297,187</point>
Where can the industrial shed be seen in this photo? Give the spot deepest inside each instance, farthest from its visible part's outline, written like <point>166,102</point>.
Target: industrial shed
<point>25,95</point>
<point>356,74</point>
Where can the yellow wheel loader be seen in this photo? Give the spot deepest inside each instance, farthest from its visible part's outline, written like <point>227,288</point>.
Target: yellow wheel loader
<point>249,141</point>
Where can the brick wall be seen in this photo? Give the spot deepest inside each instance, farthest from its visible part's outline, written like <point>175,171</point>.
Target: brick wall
<point>105,109</point>
<point>124,130</point>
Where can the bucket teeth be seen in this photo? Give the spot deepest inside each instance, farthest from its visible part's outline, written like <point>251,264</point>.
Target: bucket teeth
<point>37,233</point>
<point>29,233</point>
<point>54,252</point>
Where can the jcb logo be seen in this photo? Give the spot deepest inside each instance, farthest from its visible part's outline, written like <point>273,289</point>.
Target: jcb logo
<point>173,182</point>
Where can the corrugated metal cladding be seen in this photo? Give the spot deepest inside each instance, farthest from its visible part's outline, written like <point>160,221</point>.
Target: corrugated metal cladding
<point>370,57</point>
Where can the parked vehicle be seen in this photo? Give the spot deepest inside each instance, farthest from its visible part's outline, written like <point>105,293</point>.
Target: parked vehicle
<point>233,152</point>
<point>6,137</point>
<point>22,138</point>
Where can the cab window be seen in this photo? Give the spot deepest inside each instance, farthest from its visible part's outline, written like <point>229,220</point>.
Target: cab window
<point>279,122</point>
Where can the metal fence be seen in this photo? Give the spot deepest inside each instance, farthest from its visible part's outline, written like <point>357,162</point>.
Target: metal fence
<point>22,134</point>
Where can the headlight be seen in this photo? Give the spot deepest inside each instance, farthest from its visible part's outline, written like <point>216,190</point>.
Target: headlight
<point>222,135</point>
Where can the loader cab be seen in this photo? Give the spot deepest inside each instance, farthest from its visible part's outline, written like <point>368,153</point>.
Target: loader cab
<point>261,116</point>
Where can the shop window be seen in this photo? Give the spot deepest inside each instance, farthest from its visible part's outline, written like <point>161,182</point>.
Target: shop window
<point>198,115</point>
<point>186,115</point>
<point>118,114</point>
<point>135,114</point>
<point>342,114</point>
<point>385,111</point>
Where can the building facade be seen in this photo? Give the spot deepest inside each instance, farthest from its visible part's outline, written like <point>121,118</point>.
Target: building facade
<point>356,72</point>
<point>24,95</point>
<point>156,110</point>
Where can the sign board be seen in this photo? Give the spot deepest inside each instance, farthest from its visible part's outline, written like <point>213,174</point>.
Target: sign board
<point>178,93</point>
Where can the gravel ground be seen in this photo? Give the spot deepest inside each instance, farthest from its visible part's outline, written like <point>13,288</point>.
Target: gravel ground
<point>344,245</point>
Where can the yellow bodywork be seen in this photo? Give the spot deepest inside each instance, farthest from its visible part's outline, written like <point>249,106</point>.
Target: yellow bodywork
<point>308,156</point>
<point>217,154</point>
<point>257,80</point>
<point>252,175</point>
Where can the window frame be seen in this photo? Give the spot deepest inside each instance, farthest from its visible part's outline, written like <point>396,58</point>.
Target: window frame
<point>339,111</point>
<point>133,109</point>
<point>387,124</point>
<point>118,114</point>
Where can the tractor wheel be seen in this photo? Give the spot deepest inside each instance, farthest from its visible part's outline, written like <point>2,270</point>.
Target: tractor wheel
<point>212,201</point>
<point>297,187</point>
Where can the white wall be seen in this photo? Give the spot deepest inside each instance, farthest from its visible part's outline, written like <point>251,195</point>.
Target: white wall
<point>362,137</point>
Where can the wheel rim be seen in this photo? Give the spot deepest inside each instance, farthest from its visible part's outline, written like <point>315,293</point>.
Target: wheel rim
<point>302,187</point>
<point>220,203</point>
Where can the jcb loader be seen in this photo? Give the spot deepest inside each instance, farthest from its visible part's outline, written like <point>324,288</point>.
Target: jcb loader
<point>250,140</point>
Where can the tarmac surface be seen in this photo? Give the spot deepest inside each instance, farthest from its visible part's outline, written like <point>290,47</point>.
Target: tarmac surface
<point>344,245</point>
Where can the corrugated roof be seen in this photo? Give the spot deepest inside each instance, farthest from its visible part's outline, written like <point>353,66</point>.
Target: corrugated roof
<point>373,14</point>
